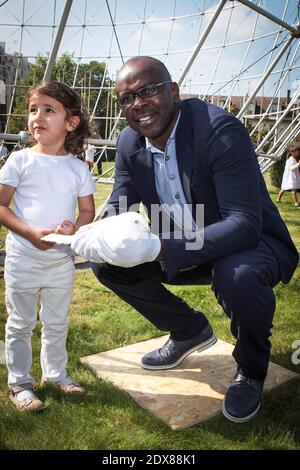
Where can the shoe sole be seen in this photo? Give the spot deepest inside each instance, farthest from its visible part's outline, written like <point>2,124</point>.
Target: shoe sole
<point>207,344</point>
<point>238,420</point>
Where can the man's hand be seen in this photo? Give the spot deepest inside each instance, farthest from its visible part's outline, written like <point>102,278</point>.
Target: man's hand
<point>123,240</point>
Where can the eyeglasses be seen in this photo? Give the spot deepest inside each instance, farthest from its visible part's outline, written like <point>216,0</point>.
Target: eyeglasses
<point>145,92</point>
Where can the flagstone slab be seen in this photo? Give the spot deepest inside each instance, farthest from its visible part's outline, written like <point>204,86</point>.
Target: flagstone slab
<point>186,395</point>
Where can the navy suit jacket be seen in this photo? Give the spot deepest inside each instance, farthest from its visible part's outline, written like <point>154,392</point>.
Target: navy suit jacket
<point>218,168</point>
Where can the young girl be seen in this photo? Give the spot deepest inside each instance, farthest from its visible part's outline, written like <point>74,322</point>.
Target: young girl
<point>46,181</point>
<point>291,176</point>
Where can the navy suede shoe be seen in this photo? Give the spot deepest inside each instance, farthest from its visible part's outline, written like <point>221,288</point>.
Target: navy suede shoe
<point>242,399</point>
<point>173,352</point>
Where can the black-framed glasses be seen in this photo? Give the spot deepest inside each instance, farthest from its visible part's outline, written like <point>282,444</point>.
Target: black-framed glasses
<point>127,99</point>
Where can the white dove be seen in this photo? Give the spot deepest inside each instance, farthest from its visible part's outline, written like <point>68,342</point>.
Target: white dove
<point>122,240</point>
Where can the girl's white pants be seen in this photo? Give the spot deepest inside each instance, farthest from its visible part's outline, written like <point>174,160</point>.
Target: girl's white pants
<point>28,280</point>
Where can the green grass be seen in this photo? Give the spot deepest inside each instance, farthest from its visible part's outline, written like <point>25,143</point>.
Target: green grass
<point>108,418</point>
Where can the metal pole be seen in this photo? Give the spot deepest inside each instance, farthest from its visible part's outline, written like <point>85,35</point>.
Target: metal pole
<point>288,139</point>
<point>12,97</point>
<point>267,137</point>
<point>104,149</point>
<point>288,130</point>
<point>265,114</point>
<point>218,59</point>
<point>266,164</point>
<point>60,31</point>
<point>228,100</point>
<point>201,41</point>
<point>24,138</point>
<point>295,30</point>
<point>265,76</point>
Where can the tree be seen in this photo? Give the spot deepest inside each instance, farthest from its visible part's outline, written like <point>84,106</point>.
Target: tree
<point>234,109</point>
<point>89,78</point>
<point>277,172</point>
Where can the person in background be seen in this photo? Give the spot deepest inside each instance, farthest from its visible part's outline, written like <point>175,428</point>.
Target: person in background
<point>3,152</point>
<point>89,155</point>
<point>291,176</point>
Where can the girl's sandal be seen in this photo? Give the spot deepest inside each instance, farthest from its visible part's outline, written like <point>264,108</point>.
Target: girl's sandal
<point>72,389</point>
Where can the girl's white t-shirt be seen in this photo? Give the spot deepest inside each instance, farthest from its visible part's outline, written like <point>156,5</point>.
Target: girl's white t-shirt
<point>291,175</point>
<point>47,188</point>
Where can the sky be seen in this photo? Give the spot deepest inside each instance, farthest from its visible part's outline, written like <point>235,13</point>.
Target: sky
<point>166,29</point>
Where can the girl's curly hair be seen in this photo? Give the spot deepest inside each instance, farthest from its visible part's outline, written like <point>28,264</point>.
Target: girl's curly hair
<point>73,106</point>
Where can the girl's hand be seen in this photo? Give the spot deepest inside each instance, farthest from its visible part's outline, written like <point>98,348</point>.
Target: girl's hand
<point>35,238</point>
<point>66,228</point>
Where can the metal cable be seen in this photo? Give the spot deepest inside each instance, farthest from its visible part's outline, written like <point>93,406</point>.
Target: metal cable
<point>115,32</point>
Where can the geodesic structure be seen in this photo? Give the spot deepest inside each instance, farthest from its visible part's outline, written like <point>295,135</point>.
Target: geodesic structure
<point>241,55</point>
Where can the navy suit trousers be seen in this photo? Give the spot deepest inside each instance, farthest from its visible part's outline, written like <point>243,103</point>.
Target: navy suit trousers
<point>242,283</point>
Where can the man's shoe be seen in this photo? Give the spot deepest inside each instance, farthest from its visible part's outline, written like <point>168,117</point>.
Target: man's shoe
<point>173,352</point>
<point>242,399</point>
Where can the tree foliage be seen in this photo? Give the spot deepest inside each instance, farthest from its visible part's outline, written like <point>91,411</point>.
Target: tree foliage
<point>90,77</point>
<point>276,172</point>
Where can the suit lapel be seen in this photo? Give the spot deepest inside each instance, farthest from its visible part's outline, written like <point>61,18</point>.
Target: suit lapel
<point>184,152</point>
<point>143,173</point>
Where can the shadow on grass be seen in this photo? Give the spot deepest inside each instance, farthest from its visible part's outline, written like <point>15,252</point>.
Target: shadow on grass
<point>277,418</point>
<point>285,360</point>
<point>293,221</point>
<point>3,446</point>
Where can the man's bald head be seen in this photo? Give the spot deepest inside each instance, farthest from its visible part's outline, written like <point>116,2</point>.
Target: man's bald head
<point>144,63</point>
